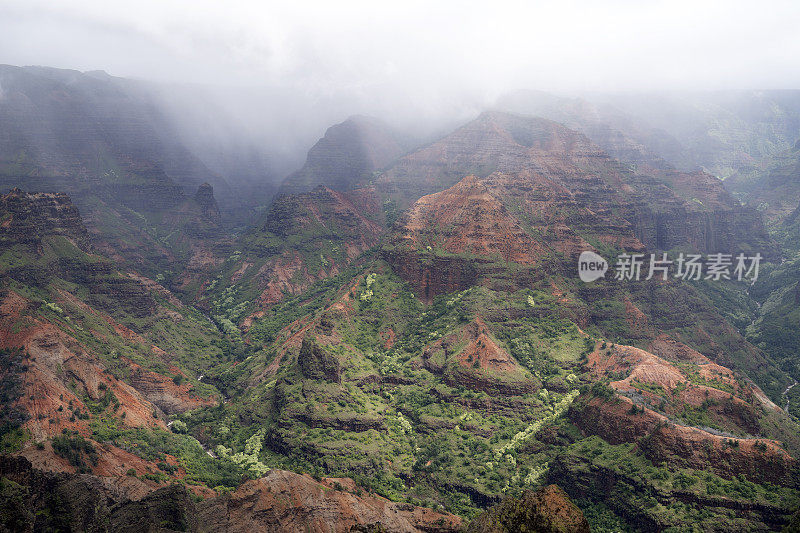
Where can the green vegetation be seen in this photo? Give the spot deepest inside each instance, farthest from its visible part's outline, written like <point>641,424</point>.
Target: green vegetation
<point>154,444</point>
<point>415,424</point>
<point>452,402</point>
<point>643,492</point>
<point>654,388</point>
<point>15,513</point>
<point>12,435</point>
<point>75,449</point>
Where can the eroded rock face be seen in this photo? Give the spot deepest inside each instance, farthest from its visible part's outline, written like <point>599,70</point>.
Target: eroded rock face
<point>327,230</point>
<point>760,460</point>
<point>433,276</point>
<point>726,228</point>
<point>547,510</point>
<point>564,181</point>
<point>29,216</point>
<point>279,502</point>
<point>163,392</point>
<point>334,211</point>
<point>284,501</point>
<point>530,192</point>
<point>469,217</point>
<point>52,360</point>
<point>479,363</point>
<point>472,232</point>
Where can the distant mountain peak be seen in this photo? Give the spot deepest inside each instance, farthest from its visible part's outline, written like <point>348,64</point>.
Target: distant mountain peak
<point>347,155</point>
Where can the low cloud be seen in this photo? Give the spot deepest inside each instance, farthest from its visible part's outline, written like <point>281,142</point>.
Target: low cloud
<point>316,63</point>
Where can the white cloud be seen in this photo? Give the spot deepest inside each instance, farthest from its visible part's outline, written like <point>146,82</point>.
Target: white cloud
<point>415,57</point>
<point>414,46</point>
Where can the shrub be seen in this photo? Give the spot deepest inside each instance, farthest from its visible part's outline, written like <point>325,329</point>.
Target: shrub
<point>602,390</point>
<point>76,450</point>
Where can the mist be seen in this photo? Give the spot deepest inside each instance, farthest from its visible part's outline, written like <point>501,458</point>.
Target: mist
<point>277,75</point>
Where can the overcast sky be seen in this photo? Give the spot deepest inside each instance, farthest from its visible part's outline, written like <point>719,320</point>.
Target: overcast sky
<point>417,48</point>
<point>313,64</point>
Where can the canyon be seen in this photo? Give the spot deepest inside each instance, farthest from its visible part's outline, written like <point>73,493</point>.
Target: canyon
<point>397,341</point>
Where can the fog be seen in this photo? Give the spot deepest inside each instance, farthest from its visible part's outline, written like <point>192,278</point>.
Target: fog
<point>282,72</point>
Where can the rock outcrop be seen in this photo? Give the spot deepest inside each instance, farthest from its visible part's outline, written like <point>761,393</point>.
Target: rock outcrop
<point>27,217</point>
<point>316,363</point>
<point>281,502</point>
<point>284,501</point>
<point>759,460</point>
<point>163,392</point>
<point>472,358</point>
<point>208,204</point>
<point>558,170</point>
<point>547,510</point>
<point>469,218</point>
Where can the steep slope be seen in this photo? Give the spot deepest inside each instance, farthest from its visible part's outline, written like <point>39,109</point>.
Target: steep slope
<point>171,242</point>
<point>346,157</point>
<point>775,328</point>
<point>73,131</point>
<point>96,365</point>
<point>302,239</point>
<point>474,230</point>
<point>665,208</point>
<point>325,217</point>
<point>772,186</point>
<point>462,362</point>
<point>624,137</point>
<point>92,354</point>
<point>281,502</point>
<point>105,141</point>
<point>558,192</point>
<point>679,430</point>
<point>509,231</point>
